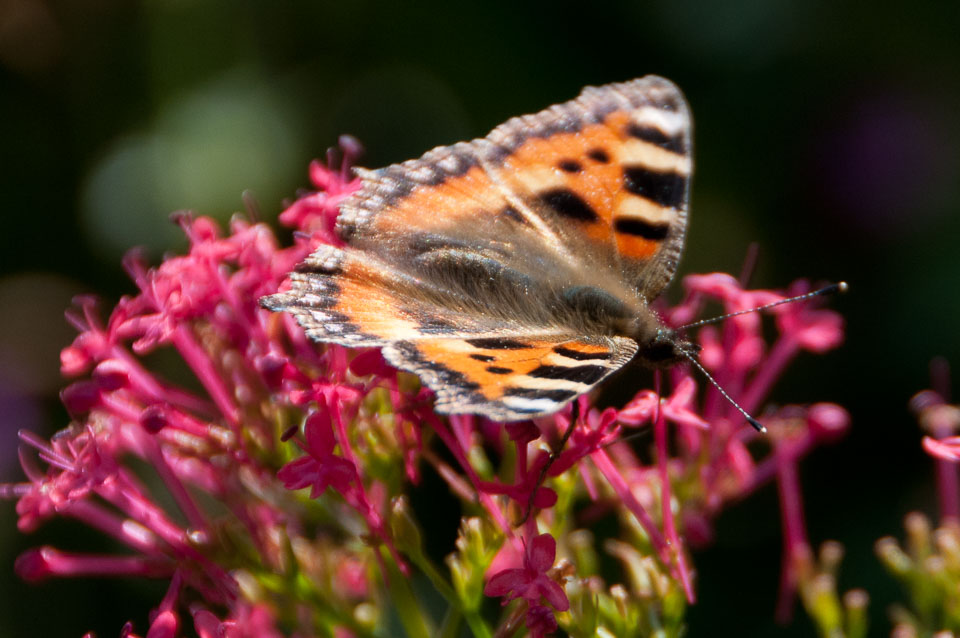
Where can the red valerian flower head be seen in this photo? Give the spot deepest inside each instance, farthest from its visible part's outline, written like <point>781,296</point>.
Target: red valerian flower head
<point>284,461</point>
<point>215,443</point>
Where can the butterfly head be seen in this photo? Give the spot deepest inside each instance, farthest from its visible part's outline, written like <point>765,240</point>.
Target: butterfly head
<point>662,348</point>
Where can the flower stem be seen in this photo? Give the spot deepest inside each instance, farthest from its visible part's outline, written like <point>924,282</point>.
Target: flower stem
<point>666,498</point>
<point>412,616</point>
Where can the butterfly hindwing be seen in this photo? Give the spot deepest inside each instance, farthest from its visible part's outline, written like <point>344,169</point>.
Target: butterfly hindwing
<point>510,378</point>
<point>353,298</point>
<point>475,362</point>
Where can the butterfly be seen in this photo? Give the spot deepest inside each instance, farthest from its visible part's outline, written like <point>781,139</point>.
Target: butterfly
<point>514,272</point>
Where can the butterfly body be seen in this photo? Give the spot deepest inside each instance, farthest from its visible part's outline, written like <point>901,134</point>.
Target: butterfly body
<point>515,271</point>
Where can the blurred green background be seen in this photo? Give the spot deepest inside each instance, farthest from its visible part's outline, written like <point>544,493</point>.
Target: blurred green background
<point>825,131</point>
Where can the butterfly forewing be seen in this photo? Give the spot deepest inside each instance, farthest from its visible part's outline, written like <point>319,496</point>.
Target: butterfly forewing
<point>612,166</point>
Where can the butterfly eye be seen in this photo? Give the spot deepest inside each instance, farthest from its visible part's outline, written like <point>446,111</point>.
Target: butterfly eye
<point>661,352</point>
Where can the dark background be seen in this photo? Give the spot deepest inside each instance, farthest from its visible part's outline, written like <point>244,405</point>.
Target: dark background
<point>825,131</point>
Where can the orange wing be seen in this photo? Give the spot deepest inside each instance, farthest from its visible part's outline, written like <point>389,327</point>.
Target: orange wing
<point>613,165</point>
<point>354,299</point>
<point>510,378</point>
<point>477,364</point>
<point>606,175</point>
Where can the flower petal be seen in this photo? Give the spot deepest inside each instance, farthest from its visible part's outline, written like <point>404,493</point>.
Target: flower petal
<point>946,449</point>
<point>504,582</point>
<point>318,430</point>
<point>553,593</point>
<point>541,553</point>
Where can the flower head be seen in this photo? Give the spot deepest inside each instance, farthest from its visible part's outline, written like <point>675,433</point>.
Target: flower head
<point>289,465</point>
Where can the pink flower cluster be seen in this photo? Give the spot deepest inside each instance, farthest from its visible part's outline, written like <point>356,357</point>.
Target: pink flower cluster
<point>309,451</point>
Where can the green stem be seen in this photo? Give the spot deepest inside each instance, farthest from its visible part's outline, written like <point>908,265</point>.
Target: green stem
<point>476,623</point>
<point>412,617</point>
<point>435,577</point>
<point>477,626</point>
<point>451,624</point>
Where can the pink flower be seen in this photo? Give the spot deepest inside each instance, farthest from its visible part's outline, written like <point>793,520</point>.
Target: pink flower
<point>247,621</point>
<point>531,582</point>
<point>942,423</point>
<point>216,443</point>
<point>813,329</point>
<point>678,407</point>
<point>320,468</point>
<point>316,213</point>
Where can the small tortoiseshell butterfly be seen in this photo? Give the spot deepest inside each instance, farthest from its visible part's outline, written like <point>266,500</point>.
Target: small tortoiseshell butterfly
<point>515,272</point>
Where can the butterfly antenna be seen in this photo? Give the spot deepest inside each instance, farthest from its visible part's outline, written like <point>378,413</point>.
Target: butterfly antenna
<point>752,421</point>
<point>839,287</point>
